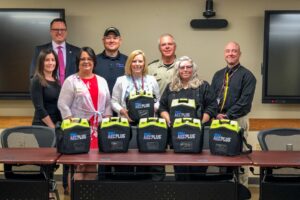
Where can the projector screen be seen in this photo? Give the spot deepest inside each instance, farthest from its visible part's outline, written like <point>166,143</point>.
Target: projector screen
<point>281,74</point>
<point>21,31</point>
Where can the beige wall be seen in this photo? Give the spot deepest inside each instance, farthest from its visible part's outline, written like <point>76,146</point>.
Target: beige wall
<point>141,23</point>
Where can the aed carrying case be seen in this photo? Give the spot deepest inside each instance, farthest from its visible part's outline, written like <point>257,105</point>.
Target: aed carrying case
<point>226,137</point>
<point>73,136</point>
<point>152,134</point>
<point>114,135</point>
<point>140,105</point>
<point>182,108</point>
<point>187,136</point>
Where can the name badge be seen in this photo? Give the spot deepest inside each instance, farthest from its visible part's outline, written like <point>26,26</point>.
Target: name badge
<point>79,89</point>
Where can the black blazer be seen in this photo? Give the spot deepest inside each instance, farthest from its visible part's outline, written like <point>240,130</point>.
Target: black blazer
<point>71,53</point>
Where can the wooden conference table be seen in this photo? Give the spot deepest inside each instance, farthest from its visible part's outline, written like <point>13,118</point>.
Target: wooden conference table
<point>282,186</point>
<point>26,189</point>
<point>151,189</point>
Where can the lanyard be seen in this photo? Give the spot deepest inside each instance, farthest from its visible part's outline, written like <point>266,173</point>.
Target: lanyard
<point>135,85</point>
<point>225,90</point>
<point>225,86</point>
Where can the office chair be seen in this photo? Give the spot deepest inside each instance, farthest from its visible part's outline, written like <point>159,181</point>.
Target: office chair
<point>26,137</point>
<point>279,138</point>
<point>279,182</point>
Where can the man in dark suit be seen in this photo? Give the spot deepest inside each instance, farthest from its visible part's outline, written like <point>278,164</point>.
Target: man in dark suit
<point>58,32</point>
<point>67,62</point>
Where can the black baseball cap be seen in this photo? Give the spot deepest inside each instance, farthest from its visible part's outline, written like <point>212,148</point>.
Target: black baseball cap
<point>113,30</point>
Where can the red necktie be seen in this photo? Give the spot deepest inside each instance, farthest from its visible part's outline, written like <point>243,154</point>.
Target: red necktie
<point>61,64</point>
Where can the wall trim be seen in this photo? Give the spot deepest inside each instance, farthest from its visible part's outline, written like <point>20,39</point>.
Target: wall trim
<point>261,124</point>
<point>12,121</point>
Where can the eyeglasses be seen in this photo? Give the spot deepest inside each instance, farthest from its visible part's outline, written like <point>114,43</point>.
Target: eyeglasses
<point>186,67</point>
<point>86,59</point>
<point>59,30</point>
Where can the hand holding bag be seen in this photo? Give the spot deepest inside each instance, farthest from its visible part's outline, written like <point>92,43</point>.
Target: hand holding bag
<point>73,136</point>
<point>140,105</point>
<point>114,135</point>
<point>187,136</point>
<point>226,137</point>
<point>152,135</point>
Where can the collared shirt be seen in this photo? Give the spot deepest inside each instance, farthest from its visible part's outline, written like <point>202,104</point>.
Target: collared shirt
<point>241,88</point>
<point>163,73</point>
<point>110,68</point>
<point>63,45</point>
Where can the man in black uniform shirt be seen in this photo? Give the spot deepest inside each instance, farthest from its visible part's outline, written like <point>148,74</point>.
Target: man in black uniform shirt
<point>234,86</point>
<point>111,63</point>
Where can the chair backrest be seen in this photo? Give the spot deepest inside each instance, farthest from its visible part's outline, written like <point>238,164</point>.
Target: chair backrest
<point>25,137</point>
<point>28,136</point>
<point>279,138</point>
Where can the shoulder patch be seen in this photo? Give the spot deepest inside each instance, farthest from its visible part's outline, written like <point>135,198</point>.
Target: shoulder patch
<point>154,61</point>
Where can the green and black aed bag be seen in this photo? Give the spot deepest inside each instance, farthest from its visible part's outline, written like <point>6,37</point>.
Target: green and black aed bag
<point>140,105</point>
<point>152,134</point>
<point>226,137</point>
<point>182,108</point>
<point>187,136</point>
<point>73,136</point>
<point>114,135</point>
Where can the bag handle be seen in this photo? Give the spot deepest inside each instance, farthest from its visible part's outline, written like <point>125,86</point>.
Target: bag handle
<point>115,119</point>
<point>224,121</point>
<point>78,120</point>
<point>187,119</point>
<point>183,100</point>
<point>152,119</point>
<point>249,146</point>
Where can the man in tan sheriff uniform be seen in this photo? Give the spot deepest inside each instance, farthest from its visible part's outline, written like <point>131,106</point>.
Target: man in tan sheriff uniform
<point>163,68</point>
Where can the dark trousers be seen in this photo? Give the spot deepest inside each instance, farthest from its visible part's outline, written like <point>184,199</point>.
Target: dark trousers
<point>65,178</point>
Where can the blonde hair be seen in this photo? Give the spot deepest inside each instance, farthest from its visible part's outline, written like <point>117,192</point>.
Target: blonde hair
<point>130,58</point>
<point>176,83</point>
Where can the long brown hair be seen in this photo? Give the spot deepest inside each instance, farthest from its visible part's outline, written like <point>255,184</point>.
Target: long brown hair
<point>39,68</point>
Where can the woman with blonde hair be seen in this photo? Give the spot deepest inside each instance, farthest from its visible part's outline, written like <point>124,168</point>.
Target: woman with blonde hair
<point>135,79</point>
